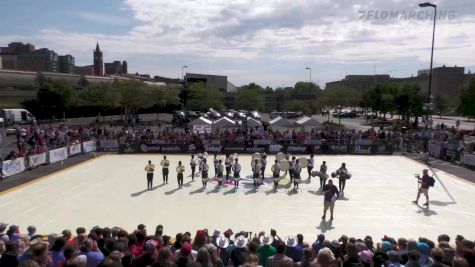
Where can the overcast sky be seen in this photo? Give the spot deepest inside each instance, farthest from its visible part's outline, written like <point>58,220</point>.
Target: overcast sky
<point>269,42</point>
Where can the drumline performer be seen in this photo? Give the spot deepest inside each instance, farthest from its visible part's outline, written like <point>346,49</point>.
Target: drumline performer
<point>276,173</point>
<point>297,170</point>
<point>256,172</point>
<point>236,170</point>
<point>180,170</point>
<point>150,168</point>
<point>165,163</point>
<point>263,163</point>
<point>227,164</point>
<point>204,172</point>
<point>193,167</point>
<point>215,161</point>
<point>310,166</point>
<point>342,174</point>
<point>293,162</point>
<point>220,170</point>
<point>323,174</point>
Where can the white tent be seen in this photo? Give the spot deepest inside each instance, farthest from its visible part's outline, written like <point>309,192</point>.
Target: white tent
<point>200,121</point>
<point>251,122</point>
<point>279,121</point>
<point>224,122</point>
<point>308,121</point>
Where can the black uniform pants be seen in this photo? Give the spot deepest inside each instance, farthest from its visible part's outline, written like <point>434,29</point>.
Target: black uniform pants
<point>165,175</point>
<point>149,180</point>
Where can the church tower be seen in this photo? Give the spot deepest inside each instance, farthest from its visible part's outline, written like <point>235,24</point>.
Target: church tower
<point>98,62</point>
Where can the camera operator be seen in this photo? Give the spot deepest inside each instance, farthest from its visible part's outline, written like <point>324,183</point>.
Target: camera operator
<point>424,184</point>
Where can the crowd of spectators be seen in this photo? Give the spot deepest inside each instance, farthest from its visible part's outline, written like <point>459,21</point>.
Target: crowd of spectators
<point>140,248</point>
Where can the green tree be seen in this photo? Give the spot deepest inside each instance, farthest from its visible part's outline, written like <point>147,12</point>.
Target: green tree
<point>134,94</point>
<point>102,95</point>
<point>440,103</point>
<point>203,96</point>
<point>298,105</point>
<point>466,105</point>
<point>250,99</point>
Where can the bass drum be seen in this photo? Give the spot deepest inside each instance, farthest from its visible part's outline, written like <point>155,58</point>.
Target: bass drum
<point>280,156</point>
<point>284,165</point>
<point>303,162</point>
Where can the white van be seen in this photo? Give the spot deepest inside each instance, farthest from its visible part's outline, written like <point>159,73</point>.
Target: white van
<point>16,115</point>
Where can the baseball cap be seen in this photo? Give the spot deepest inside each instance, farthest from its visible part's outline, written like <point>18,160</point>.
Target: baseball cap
<point>366,256</point>
<point>387,246</point>
<point>423,247</point>
<point>186,250</point>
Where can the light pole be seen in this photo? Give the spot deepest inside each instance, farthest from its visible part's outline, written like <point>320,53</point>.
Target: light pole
<point>427,4</point>
<point>182,68</point>
<point>310,69</point>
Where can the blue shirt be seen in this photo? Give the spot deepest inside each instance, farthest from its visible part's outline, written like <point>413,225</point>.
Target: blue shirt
<point>317,246</point>
<point>295,253</point>
<point>93,258</point>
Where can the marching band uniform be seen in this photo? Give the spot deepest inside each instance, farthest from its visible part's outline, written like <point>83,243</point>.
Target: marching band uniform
<point>193,167</point>
<point>310,166</point>
<point>165,163</point>
<point>323,171</point>
<point>204,172</point>
<point>220,170</point>
<point>227,164</point>
<point>150,168</point>
<point>342,176</point>
<point>263,163</point>
<point>297,170</point>
<point>292,168</point>
<point>276,173</point>
<point>236,170</point>
<point>256,172</point>
<point>180,170</point>
<point>216,161</point>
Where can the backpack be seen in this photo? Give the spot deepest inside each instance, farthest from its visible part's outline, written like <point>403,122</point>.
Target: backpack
<point>431,181</point>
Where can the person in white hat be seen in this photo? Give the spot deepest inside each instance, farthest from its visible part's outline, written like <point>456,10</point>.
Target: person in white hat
<point>293,250</point>
<point>240,251</point>
<point>266,250</point>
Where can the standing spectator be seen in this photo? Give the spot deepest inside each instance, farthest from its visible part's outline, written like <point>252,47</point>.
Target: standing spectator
<point>351,259</point>
<point>164,259</point>
<point>9,257</point>
<point>94,258</point>
<point>240,252</point>
<point>56,252</point>
<point>318,244</point>
<point>293,250</point>
<point>266,250</point>
<point>279,257</point>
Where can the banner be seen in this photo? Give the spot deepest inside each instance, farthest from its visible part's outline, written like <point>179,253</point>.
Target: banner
<point>89,146</point>
<point>260,142</point>
<point>58,155</point>
<point>213,149</point>
<point>468,159</point>
<point>234,149</point>
<point>294,149</point>
<point>110,144</point>
<point>274,149</point>
<point>202,129</point>
<point>36,160</point>
<point>364,142</point>
<point>313,142</point>
<point>158,142</point>
<point>12,167</point>
<point>435,150</point>
<point>74,149</point>
<point>361,149</point>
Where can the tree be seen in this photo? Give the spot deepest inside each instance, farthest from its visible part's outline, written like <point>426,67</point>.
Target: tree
<point>54,97</point>
<point>102,95</point>
<point>467,99</point>
<point>440,104</point>
<point>298,105</point>
<point>250,99</point>
<point>134,94</point>
<point>203,96</point>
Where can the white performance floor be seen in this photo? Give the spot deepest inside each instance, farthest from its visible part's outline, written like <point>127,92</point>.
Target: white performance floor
<point>110,191</point>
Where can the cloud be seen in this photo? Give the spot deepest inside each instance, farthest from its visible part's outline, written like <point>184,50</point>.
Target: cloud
<point>105,18</point>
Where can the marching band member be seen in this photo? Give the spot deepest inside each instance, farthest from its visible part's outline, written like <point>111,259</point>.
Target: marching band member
<point>236,170</point>
<point>204,172</point>
<point>165,163</point>
<point>342,174</point>
<point>323,173</point>
<point>180,170</point>
<point>263,163</point>
<point>276,173</point>
<point>216,162</point>
<point>310,166</point>
<point>256,172</point>
<point>193,167</point>
<point>220,170</point>
<point>293,162</point>
<point>227,164</point>
<point>297,170</point>
<point>150,168</point>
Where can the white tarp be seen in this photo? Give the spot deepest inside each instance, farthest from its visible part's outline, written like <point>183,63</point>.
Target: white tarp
<point>224,122</point>
<point>279,121</point>
<point>308,121</point>
<point>201,129</point>
<point>74,149</point>
<point>89,146</point>
<point>251,122</point>
<point>200,121</point>
<point>36,160</point>
<point>12,167</point>
<point>58,155</point>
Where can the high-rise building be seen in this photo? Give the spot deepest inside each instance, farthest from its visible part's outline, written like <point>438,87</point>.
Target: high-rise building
<point>66,64</point>
<point>40,60</point>
<point>98,62</point>
<point>115,68</point>
<point>124,67</point>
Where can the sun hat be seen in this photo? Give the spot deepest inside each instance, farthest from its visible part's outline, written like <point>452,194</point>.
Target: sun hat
<point>266,239</point>
<point>222,242</point>
<point>366,256</point>
<point>290,241</point>
<point>3,226</point>
<point>186,249</point>
<point>240,242</point>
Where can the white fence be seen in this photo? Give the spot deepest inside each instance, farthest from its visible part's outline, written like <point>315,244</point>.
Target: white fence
<point>19,165</point>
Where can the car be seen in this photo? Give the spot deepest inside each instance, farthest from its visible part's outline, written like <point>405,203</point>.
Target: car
<point>347,114</point>
<point>293,115</point>
<point>213,114</point>
<point>274,114</point>
<point>191,115</point>
<point>254,114</point>
<point>229,113</point>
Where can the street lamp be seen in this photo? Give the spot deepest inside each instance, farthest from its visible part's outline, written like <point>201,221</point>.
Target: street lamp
<point>183,67</point>
<point>308,68</point>
<point>427,4</point>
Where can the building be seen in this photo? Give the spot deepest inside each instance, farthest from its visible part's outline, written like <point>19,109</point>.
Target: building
<point>16,48</point>
<point>217,81</point>
<point>84,70</point>
<point>359,82</point>
<point>40,60</point>
<point>115,68</point>
<point>98,62</point>
<point>9,62</point>
<point>66,64</point>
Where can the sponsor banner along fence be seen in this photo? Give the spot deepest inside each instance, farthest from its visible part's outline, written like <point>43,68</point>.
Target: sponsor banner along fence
<point>88,146</point>
<point>58,155</point>
<point>36,160</point>
<point>74,149</point>
<point>12,167</point>
<point>468,159</point>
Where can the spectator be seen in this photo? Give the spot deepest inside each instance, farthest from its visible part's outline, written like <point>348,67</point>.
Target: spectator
<point>318,244</point>
<point>280,257</point>
<point>150,254</point>
<point>56,252</point>
<point>437,254</point>
<point>266,250</point>
<point>240,252</point>
<point>306,259</point>
<point>94,258</point>
<point>164,258</point>
<point>293,249</point>
<point>394,259</point>
<point>351,259</point>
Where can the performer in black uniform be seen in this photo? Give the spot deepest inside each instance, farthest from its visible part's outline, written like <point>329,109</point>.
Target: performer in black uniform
<point>150,168</point>
<point>342,174</point>
<point>220,175</point>
<point>180,170</point>
<point>292,168</point>
<point>263,163</point>
<point>165,163</point>
<point>310,166</point>
<point>236,170</point>
<point>227,164</point>
<point>297,171</point>
<point>256,172</point>
<point>204,173</point>
<point>193,167</point>
<point>276,173</point>
<point>215,161</point>
<point>323,174</point>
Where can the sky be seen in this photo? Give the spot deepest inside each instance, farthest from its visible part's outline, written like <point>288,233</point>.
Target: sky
<point>269,42</point>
